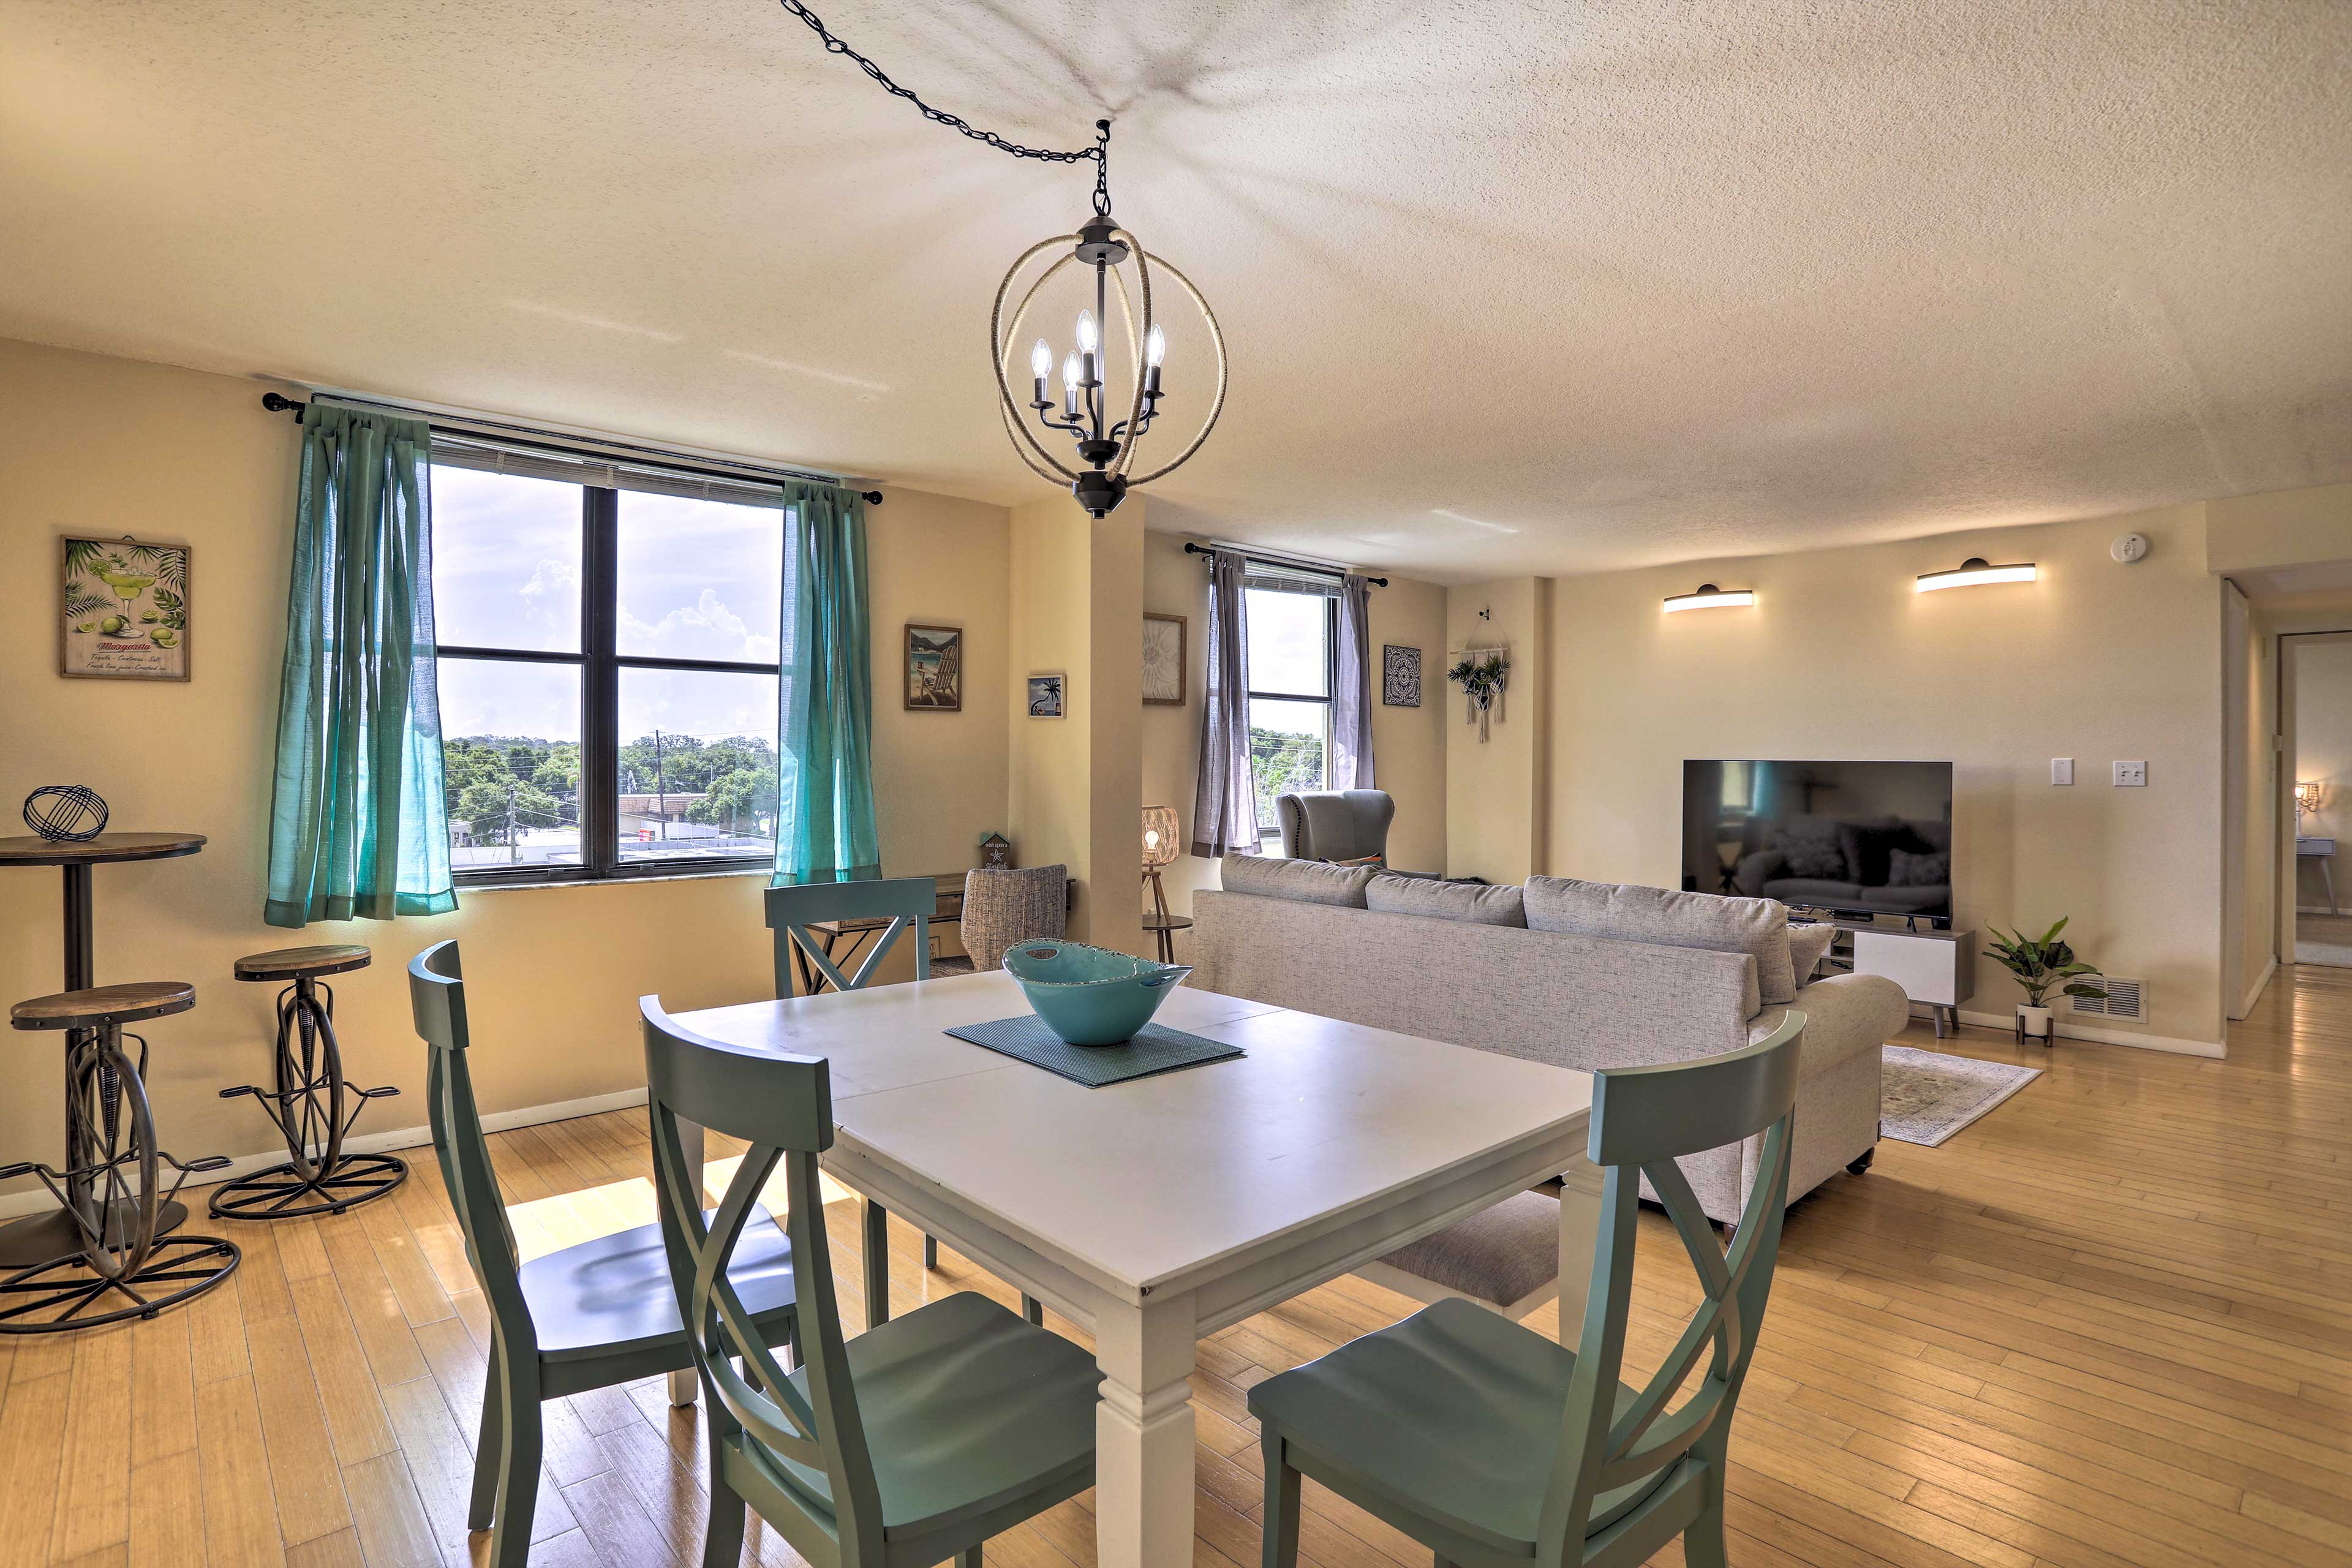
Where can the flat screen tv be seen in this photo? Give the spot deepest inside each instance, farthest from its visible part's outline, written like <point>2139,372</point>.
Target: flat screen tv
<point>1863,839</point>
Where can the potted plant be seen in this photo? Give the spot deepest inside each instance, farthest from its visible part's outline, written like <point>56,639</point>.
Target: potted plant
<point>2041,964</point>
<point>1482,680</point>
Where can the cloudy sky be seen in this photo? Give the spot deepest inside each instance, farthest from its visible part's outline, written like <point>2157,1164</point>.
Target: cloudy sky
<point>697,580</point>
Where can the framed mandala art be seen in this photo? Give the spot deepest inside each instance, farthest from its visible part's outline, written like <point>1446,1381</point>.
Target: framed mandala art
<point>1163,659</point>
<point>1399,676</point>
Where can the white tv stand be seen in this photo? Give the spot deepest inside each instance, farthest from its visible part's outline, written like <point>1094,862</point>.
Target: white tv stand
<point>1936,967</point>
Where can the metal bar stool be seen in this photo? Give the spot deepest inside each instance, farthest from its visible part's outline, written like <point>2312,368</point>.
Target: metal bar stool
<point>309,1105</point>
<point>111,1187</point>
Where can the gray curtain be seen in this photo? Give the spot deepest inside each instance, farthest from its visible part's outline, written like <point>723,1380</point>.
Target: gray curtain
<point>1351,694</point>
<point>1224,810</point>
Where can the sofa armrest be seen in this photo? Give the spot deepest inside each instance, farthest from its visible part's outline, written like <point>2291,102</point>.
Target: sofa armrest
<point>1844,1013</point>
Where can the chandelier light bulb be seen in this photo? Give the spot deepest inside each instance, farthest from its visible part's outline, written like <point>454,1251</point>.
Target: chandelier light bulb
<point>1041,359</point>
<point>1071,373</point>
<point>1088,338</point>
<point>1155,347</point>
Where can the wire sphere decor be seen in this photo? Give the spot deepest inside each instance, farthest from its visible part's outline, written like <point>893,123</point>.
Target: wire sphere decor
<point>66,814</point>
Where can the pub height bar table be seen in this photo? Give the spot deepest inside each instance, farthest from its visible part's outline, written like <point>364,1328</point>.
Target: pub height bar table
<point>56,1233</point>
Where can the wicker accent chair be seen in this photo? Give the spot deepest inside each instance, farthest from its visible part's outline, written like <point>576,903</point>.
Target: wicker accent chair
<point>1001,907</point>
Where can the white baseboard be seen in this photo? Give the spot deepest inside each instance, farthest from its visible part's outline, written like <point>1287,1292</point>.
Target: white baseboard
<point>2007,1023</point>
<point>2327,955</point>
<point>2261,983</point>
<point>2317,910</point>
<point>36,1198</point>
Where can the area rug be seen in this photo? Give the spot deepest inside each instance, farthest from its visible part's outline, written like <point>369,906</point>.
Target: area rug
<point>1925,1097</point>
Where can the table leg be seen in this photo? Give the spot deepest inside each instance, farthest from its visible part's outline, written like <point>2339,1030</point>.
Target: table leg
<point>682,1382</point>
<point>1144,1435</point>
<point>877,1249</point>
<point>1579,1234</point>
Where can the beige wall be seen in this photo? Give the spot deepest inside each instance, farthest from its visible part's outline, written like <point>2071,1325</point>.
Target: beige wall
<point>1497,789</point>
<point>1076,782</point>
<point>110,446</point>
<point>1841,658</point>
<point>2279,529</point>
<point>2323,755</point>
<point>2250,821</point>
<point>1408,743</point>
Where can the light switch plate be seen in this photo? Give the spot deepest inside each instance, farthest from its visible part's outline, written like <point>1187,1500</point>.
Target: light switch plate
<point>2062,769</point>
<point>2131,776</point>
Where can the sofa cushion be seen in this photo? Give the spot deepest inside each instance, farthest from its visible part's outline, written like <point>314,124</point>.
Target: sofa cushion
<point>1808,944</point>
<point>1502,1254</point>
<point>1301,882</point>
<point>1757,926</point>
<point>1477,903</point>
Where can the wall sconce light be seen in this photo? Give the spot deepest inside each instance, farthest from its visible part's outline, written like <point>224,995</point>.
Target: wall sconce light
<point>2306,797</point>
<point>1710,597</point>
<point>1974,571</point>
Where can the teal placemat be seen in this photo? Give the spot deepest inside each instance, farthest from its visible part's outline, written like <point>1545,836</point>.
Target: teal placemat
<point>1157,1049</point>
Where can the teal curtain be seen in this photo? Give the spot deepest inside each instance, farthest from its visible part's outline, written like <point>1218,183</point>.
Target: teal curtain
<point>825,727</point>
<point>358,825</point>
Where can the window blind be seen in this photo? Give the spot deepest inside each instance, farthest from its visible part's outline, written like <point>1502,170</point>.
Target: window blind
<point>1283,579</point>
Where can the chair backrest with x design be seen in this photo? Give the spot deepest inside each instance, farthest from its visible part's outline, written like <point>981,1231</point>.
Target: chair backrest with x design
<point>811,1449</point>
<point>904,901</point>
<point>1644,1119</point>
<point>436,996</point>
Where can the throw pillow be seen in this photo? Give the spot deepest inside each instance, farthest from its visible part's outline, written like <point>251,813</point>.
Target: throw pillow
<point>1475,902</point>
<point>1907,869</point>
<point>1812,849</point>
<point>1302,881</point>
<point>1808,945</point>
<point>1757,926</point>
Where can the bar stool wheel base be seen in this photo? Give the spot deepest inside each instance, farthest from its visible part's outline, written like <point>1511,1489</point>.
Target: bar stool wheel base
<point>58,1296</point>
<point>284,1190</point>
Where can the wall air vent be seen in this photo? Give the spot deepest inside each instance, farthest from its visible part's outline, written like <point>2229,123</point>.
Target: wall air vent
<point>2127,1000</point>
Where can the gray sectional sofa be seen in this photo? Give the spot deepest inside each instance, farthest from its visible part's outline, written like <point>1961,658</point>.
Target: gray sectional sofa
<point>1582,974</point>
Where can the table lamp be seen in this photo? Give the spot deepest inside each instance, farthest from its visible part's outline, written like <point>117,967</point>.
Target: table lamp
<point>1159,848</point>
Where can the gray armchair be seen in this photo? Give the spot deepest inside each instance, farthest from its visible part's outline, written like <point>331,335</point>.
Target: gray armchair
<point>1335,825</point>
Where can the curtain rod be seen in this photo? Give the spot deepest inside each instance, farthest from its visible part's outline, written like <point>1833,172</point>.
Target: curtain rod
<point>1192,549</point>
<point>557,441</point>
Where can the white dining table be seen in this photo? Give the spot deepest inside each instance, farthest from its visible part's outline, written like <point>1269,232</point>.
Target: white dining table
<point>1157,1211</point>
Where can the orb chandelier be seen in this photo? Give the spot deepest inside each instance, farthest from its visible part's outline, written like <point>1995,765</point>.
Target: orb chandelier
<point>1107,447</point>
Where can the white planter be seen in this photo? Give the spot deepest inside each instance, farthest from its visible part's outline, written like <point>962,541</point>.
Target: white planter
<point>2035,1023</point>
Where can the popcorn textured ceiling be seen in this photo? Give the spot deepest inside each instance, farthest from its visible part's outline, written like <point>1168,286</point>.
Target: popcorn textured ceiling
<point>1510,288</point>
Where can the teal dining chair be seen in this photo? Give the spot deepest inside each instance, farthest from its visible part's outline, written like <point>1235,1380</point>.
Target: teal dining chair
<point>1490,1444</point>
<point>587,1316</point>
<point>906,902</point>
<point>908,1445</point>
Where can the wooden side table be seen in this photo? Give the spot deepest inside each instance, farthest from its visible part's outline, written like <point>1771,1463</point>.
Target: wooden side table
<point>1165,928</point>
<point>53,1234</point>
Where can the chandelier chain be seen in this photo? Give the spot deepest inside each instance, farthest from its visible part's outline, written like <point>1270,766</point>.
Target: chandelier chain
<point>1098,154</point>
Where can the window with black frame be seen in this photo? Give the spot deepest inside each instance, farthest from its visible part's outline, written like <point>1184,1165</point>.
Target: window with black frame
<point>608,664</point>
<point>1293,630</point>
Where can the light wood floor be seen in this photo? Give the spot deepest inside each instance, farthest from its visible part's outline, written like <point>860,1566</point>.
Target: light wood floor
<point>2109,1324</point>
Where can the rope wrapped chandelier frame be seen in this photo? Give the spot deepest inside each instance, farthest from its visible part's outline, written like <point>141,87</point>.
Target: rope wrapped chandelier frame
<point>1105,448</point>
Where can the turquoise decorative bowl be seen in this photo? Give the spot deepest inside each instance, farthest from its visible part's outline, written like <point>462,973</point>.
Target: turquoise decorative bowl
<point>1091,995</point>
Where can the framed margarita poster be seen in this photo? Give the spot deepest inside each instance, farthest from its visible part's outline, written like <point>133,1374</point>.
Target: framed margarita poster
<point>124,613</point>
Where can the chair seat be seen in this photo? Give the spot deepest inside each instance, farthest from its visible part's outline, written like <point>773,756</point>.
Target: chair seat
<point>966,1408</point>
<point>104,1005</point>
<point>293,963</point>
<point>1503,1254</point>
<point>614,1294</point>
<point>951,964</point>
<point>1454,1414</point>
